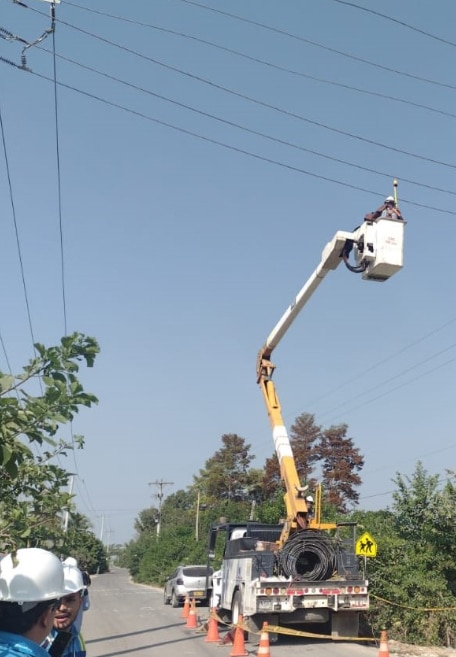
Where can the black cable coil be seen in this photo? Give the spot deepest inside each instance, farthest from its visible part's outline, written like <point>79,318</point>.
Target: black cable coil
<point>308,555</point>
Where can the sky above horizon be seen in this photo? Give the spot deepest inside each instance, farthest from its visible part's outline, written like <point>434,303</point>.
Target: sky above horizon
<point>207,152</point>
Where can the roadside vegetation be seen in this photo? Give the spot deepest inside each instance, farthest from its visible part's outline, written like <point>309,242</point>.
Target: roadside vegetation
<point>35,503</point>
<point>412,579</point>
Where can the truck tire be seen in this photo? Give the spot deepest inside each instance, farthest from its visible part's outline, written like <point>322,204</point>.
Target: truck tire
<point>236,607</point>
<point>344,624</point>
<point>174,600</point>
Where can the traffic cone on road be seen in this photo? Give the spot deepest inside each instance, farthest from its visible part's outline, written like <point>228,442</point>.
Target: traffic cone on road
<point>384,651</point>
<point>263,650</point>
<point>192,621</point>
<point>212,629</point>
<point>186,607</point>
<point>239,643</point>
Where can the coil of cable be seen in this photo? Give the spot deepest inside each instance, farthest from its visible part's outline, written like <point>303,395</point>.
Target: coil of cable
<point>308,555</point>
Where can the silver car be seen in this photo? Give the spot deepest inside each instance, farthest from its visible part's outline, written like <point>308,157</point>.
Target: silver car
<point>194,581</point>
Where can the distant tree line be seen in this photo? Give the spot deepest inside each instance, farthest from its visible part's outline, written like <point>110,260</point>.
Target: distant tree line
<point>413,578</point>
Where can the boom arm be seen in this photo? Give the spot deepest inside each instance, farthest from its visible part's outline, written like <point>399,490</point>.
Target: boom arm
<point>378,250</point>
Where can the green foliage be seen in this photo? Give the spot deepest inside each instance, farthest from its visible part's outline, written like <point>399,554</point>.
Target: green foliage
<point>33,406</point>
<point>80,542</point>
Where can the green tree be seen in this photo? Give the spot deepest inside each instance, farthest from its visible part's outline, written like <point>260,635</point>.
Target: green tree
<point>33,406</point>
<point>226,473</point>
<point>80,542</point>
<point>146,521</point>
<point>341,462</point>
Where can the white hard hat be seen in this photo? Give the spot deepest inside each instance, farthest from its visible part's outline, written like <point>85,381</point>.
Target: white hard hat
<point>389,199</point>
<point>309,498</point>
<point>31,575</point>
<point>72,576</point>
<point>70,561</point>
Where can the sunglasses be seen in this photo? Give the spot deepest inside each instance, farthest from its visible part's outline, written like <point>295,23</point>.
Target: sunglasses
<point>55,604</point>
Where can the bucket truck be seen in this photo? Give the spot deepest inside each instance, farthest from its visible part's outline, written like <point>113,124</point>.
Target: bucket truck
<point>302,570</point>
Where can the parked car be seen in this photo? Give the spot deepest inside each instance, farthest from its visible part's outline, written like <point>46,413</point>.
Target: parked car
<point>194,581</point>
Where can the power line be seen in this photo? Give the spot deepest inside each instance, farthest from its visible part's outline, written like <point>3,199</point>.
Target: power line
<point>272,65</point>
<point>397,21</point>
<point>390,148</point>
<point>59,186</point>
<point>235,148</point>
<point>250,130</point>
<point>318,45</point>
<point>392,356</point>
<point>16,230</point>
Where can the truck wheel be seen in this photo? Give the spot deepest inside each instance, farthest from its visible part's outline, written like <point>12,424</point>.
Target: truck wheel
<point>236,608</point>
<point>174,600</point>
<point>344,624</point>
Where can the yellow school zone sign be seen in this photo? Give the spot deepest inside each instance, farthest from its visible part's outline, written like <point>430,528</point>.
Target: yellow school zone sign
<point>366,546</point>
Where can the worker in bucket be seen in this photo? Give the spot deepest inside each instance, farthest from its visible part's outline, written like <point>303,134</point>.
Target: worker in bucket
<point>389,210</point>
<point>310,507</point>
<point>31,586</point>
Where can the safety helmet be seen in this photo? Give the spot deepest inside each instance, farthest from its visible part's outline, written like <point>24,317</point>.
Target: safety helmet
<point>389,199</point>
<point>72,576</point>
<point>31,575</point>
<point>309,498</point>
<point>70,561</point>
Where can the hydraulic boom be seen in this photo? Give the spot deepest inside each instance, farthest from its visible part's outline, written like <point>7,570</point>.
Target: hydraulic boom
<point>377,247</point>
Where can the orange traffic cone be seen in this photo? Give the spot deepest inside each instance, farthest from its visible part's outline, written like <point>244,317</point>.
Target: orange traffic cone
<point>239,643</point>
<point>192,621</point>
<point>212,628</point>
<point>263,650</point>
<point>384,651</point>
<point>186,607</point>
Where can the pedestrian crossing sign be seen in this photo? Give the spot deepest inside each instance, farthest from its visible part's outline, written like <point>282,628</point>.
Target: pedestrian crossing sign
<point>366,546</point>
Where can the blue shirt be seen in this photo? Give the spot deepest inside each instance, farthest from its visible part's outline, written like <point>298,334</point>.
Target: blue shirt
<point>75,648</point>
<point>15,645</point>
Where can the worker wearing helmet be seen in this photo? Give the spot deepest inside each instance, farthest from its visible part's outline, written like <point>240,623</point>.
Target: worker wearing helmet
<point>310,507</point>
<point>31,585</point>
<point>68,611</point>
<point>71,561</point>
<point>388,210</point>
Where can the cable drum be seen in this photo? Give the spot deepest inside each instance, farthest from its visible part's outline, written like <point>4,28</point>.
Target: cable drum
<point>308,555</point>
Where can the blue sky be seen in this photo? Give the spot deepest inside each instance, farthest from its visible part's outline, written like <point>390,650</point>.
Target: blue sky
<point>199,184</point>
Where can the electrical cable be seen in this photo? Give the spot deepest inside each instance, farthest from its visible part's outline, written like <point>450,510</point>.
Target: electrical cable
<point>16,230</point>
<point>397,21</point>
<point>249,130</point>
<point>277,67</point>
<point>308,555</point>
<point>256,101</point>
<point>318,45</point>
<point>235,148</point>
<point>390,148</point>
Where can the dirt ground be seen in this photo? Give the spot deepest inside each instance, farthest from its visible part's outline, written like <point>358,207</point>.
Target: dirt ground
<point>406,650</point>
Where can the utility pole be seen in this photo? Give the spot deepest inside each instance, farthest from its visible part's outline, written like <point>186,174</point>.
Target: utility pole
<point>159,495</point>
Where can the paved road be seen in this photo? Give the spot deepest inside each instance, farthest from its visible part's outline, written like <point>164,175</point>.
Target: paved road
<point>131,619</point>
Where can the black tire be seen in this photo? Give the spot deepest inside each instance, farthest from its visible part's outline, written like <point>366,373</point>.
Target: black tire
<point>165,598</point>
<point>174,600</point>
<point>236,607</point>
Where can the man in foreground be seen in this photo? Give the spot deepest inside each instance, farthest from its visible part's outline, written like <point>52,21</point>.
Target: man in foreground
<point>67,613</point>
<point>31,585</point>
